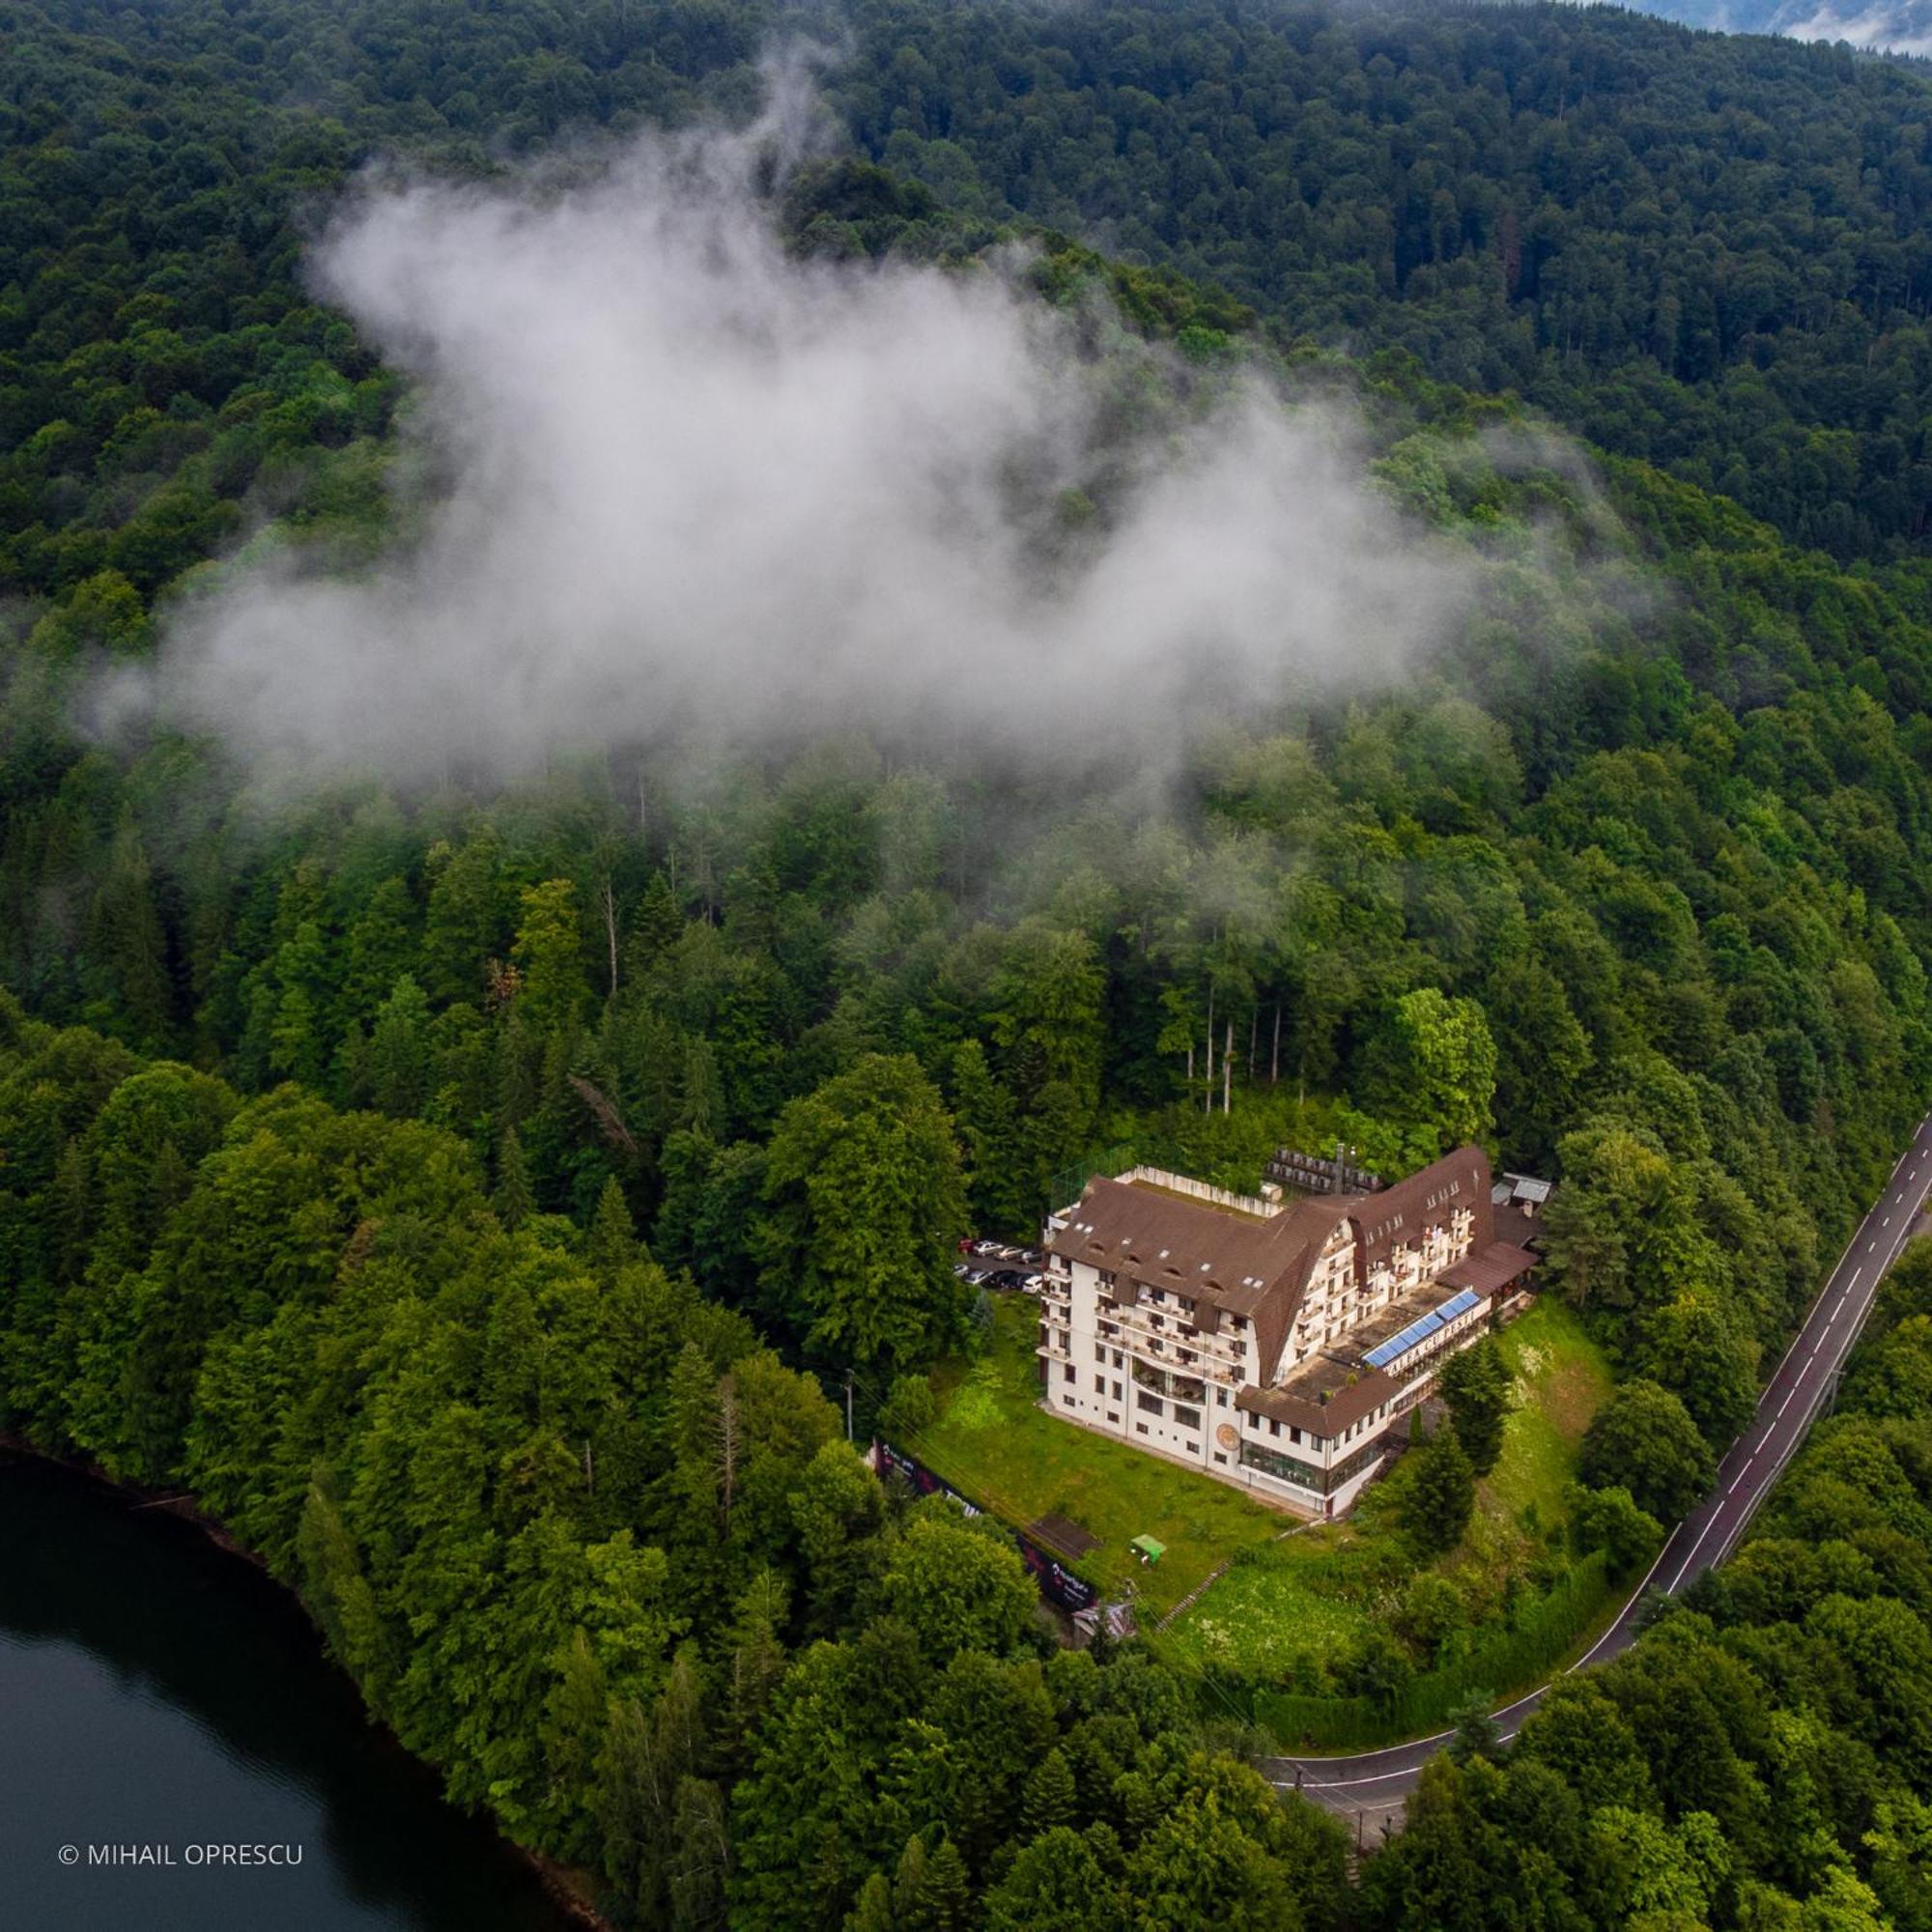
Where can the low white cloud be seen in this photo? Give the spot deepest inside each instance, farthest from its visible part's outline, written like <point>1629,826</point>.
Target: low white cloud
<point>1881,29</point>
<point>694,488</point>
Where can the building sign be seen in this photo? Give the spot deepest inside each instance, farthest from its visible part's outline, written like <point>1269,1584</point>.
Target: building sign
<point>1057,1583</point>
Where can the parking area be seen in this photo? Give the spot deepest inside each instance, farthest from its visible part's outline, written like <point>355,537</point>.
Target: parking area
<point>1000,1265</point>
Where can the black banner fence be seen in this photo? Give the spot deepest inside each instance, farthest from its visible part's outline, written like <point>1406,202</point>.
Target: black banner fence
<point>1057,1583</point>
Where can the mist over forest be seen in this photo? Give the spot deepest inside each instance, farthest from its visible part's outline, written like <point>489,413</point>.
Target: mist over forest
<point>647,677</point>
<point>678,484</point>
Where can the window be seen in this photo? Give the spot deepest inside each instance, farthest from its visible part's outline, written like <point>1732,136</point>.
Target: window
<point>1119,1359</point>
<point>1099,1354</point>
<point>1068,1399</point>
<point>1117,1391</point>
<point>1293,1433</point>
<point>1070,1375</point>
<point>1305,1475</point>
<point>1219,1458</point>
<point>1100,1385</point>
<point>1112,1415</point>
<point>1220,1397</point>
<point>1140,1429</point>
<point>1194,1448</point>
<point>1188,1418</point>
<point>1274,1428</point>
<point>1150,1403</point>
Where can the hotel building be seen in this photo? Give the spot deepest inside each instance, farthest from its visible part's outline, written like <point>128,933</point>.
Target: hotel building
<point>1274,1345</point>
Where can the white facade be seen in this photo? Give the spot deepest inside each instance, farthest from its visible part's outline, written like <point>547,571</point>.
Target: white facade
<point>1260,1382</point>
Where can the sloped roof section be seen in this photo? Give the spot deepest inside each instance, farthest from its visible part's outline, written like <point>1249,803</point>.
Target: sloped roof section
<point>1246,1265</point>
<point>1490,1270</point>
<point>1399,1213</point>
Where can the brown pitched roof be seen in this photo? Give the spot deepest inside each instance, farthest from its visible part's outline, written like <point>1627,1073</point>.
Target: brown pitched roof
<point>1399,1213</point>
<point>1254,1266</point>
<point>1487,1269</point>
<point>1230,1261</point>
<point>1347,1405</point>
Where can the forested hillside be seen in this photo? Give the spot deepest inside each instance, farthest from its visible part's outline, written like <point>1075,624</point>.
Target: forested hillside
<point>1710,252</point>
<point>471,1191</point>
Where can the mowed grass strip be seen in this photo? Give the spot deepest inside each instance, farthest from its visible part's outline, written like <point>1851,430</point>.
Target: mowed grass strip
<point>995,1444</point>
<point>1562,1381</point>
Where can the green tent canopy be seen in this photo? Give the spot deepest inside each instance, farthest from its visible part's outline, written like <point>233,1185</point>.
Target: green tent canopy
<point>1148,1549</point>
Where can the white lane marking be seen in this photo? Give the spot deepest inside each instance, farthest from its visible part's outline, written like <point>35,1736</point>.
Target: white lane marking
<point>1762,1446</point>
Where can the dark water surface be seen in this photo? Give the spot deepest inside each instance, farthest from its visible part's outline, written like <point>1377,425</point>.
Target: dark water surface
<point>156,1692</point>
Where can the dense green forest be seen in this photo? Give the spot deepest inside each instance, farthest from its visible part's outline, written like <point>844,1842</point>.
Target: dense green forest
<point>1706,251</point>
<point>471,1194</point>
<point>1763,1745</point>
<point>594,1551</point>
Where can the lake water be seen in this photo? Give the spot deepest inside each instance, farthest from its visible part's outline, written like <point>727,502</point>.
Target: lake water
<point>160,1696</point>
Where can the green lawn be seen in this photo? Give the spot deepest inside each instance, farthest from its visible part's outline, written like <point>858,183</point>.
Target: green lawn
<point>1284,1609</point>
<point>1289,1603</point>
<point>994,1444</point>
<point>1279,1613</point>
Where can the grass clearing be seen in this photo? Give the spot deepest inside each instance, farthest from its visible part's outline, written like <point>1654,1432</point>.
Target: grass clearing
<point>1308,1598</point>
<point>1288,1605</point>
<point>995,1444</point>
<point>1279,1615</point>
<point>1562,1381</point>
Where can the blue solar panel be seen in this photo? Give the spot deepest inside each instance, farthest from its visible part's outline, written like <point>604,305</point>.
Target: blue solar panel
<point>1384,1353</point>
<point>1396,1345</point>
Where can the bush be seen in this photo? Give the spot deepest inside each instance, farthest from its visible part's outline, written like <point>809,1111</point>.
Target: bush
<point>1643,1440</point>
<point>910,1409</point>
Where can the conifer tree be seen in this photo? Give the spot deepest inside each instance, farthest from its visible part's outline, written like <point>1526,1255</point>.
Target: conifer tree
<point>512,1198</point>
<point>613,1242</point>
<point>1050,1794</point>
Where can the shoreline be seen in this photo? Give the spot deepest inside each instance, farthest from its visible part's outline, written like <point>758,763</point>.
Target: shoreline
<point>560,1882</point>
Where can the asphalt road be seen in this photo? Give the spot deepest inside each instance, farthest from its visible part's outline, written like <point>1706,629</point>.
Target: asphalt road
<point>1371,1787</point>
